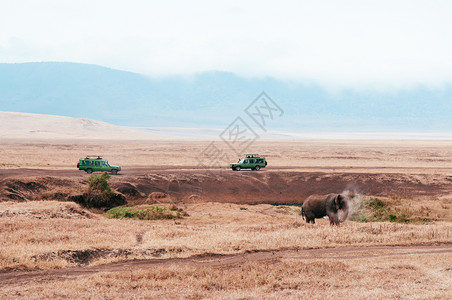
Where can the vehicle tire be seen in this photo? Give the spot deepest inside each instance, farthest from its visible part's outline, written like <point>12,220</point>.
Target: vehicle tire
<point>257,168</point>
<point>114,172</point>
<point>237,168</point>
<point>89,171</point>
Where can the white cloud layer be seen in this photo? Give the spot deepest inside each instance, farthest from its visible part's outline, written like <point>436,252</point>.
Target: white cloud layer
<point>349,43</point>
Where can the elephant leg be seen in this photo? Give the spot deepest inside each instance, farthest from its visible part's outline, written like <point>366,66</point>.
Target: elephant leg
<point>334,220</point>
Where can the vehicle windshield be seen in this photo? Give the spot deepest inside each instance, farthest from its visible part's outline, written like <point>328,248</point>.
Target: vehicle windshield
<point>241,161</point>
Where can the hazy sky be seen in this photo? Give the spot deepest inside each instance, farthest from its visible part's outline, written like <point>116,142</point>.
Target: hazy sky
<point>349,43</point>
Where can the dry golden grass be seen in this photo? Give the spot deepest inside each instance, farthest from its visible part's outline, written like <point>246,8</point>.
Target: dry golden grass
<point>37,234</point>
<point>386,277</point>
<point>45,210</point>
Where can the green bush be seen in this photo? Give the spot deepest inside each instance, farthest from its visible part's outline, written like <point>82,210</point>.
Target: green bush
<point>377,210</point>
<point>99,194</point>
<point>146,212</point>
<point>392,218</point>
<point>99,185</point>
<point>375,202</point>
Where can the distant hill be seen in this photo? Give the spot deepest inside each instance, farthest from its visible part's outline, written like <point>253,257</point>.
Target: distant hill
<point>35,126</point>
<point>213,99</point>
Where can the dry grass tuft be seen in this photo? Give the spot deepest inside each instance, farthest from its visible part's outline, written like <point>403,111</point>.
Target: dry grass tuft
<point>44,210</point>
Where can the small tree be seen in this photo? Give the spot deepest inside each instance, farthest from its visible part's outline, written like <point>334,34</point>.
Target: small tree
<point>99,194</point>
<point>99,185</point>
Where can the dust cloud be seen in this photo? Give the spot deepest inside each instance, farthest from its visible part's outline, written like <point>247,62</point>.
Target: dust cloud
<point>354,199</point>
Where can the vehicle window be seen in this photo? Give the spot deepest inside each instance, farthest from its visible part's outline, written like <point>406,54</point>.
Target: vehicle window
<point>104,164</point>
<point>245,161</point>
<point>97,163</point>
<point>251,161</point>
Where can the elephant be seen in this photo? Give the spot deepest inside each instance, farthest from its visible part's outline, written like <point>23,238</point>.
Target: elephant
<point>333,205</point>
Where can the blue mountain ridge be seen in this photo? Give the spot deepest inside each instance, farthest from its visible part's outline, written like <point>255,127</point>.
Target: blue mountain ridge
<point>213,99</point>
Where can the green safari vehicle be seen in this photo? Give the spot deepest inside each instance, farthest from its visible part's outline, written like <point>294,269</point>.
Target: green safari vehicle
<point>251,161</point>
<point>93,163</point>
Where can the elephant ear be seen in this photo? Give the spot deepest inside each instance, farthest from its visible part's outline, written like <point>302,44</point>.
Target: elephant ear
<point>339,201</point>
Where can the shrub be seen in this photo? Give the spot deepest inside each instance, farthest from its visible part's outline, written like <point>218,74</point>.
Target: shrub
<point>377,210</point>
<point>146,212</point>
<point>375,202</point>
<point>392,218</point>
<point>99,185</point>
<point>99,194</point>
<point>90,200</point>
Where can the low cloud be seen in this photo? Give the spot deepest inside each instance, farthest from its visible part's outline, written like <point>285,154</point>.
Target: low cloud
<point>352,44</point>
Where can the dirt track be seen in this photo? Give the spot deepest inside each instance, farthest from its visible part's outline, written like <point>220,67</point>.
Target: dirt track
<point>215,260</point>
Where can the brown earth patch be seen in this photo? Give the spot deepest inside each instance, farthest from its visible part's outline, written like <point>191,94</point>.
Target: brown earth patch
<point>234,187</point>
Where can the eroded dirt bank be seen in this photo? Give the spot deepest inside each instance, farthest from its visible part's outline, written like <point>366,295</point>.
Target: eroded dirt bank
<point>245,187</point>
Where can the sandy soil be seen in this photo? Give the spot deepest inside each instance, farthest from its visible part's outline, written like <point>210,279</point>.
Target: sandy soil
<point>28,126</point>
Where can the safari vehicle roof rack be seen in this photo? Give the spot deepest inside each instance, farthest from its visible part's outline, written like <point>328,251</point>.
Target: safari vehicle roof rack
<point>251,155</point>
<point>97,156</point>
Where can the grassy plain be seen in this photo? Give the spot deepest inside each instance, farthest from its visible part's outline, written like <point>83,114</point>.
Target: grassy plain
<point>38,234</point>
<point>48,235</point>
<point>413,157</point>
